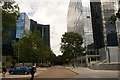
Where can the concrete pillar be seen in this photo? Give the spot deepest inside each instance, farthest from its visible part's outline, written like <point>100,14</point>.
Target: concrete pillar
<point>87,60</point>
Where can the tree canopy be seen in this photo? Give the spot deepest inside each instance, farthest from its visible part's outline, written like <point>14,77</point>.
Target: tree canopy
<point>114,17</point>
<point>10,12</point>
<point>31,48</point>
<point>71,45</point>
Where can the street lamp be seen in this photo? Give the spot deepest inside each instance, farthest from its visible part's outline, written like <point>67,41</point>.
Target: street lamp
<point>17,39</point>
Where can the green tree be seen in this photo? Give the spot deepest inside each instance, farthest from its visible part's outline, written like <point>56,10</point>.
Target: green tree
<point>10,12</point>
<point>114,17</point>
<point>52,57</point>
<point>31,48</point>
<point>71,46</point>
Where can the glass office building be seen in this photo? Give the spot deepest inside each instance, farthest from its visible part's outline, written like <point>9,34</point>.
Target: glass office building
<point>22,25</point>
<point>91,20</point>
<point>97,24</point>
<point>79,21</point>
<point>74,17</point>
<point>109,9</point>
<point>44,31</point>
<point>105,33</point>
<point>87,25</point>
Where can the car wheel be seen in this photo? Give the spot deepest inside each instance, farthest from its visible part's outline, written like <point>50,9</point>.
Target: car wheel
<point>11,72</point>
<point>25,73</point>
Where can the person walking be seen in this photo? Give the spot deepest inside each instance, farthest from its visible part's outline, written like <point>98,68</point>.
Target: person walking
<point>12,66</point>
<point>33,70</point>
<point>4,70</point>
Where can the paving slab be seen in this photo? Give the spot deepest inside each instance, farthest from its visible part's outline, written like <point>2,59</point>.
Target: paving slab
<point>89,73</point>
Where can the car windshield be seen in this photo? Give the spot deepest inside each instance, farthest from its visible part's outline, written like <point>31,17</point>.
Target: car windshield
<point>23,68</point>
<point>17,68</point>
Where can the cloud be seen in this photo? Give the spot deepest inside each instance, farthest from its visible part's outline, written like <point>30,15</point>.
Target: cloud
<point>53,12</point>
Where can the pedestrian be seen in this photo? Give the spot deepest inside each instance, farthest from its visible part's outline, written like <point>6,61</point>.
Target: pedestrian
<point>11,66</point>
<point>73,65</point>
<point>4,70</point>
<point>33,70</point>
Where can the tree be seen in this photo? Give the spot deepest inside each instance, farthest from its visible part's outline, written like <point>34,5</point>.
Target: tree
<point>31,48</point>
<point>10,12</point>
<point>52,57</point>
<point>114,17</point>
<point>71,46</point>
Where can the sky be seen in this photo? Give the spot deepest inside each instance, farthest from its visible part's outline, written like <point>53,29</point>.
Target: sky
<point>52,12</point>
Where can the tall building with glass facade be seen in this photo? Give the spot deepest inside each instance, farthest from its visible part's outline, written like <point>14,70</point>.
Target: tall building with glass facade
<point>97,24</point>
<point>7,44</point>
<point>75,23</point>
<point>95,27</point>
<point>105,33</point>
<point>22,25</point>
<point>21,28</point>
<point>88,32</point>
<point>118,24</point>
<point>79,21</point>
<point>109,9</point>
<point>44,31</point>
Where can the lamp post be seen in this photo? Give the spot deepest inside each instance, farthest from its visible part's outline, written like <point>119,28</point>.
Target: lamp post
<point>73,55</point>
<point>17,39</point>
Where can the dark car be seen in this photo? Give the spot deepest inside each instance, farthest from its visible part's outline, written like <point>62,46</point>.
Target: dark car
<point>20,70</point>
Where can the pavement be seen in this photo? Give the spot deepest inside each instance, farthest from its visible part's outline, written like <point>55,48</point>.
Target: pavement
<point>89,73</point>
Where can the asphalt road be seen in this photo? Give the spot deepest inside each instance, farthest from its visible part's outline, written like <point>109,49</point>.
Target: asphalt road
<point>57,72</point>
<point>52,73</point>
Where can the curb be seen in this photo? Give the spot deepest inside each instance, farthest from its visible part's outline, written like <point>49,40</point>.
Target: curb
<point>72,71</point>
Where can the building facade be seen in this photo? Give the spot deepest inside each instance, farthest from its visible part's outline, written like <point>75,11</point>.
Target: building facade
<point>7,48</point>
<point>44,31</point>
<point>105,33</point>
<point>22,25</point>
<point>79,21</point>
<point>33,25</point>
<point>95,27</point>
<point>75,23</point>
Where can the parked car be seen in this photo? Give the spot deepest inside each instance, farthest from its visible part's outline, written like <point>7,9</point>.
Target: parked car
<point>44,65</point>
<point>20,70</point>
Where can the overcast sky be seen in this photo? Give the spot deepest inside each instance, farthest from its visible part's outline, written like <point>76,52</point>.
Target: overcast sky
<point>53,12</point>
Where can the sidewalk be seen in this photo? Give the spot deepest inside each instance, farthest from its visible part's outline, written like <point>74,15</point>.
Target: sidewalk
<point>89,73</point>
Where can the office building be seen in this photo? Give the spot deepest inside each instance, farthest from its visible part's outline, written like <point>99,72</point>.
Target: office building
<point>105,33</point>
<point>79,21</point>
<point>44,31</point>
<point>95,27</point>
<point>33,25</point>
<point>22,25</point>
<point>21,28</point>
<point>7,44</point>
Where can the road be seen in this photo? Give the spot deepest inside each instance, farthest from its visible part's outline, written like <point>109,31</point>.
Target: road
<point>57,72</point>
<point>52,73</point>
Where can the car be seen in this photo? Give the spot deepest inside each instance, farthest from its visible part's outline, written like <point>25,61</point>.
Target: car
<point>20,70</point>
